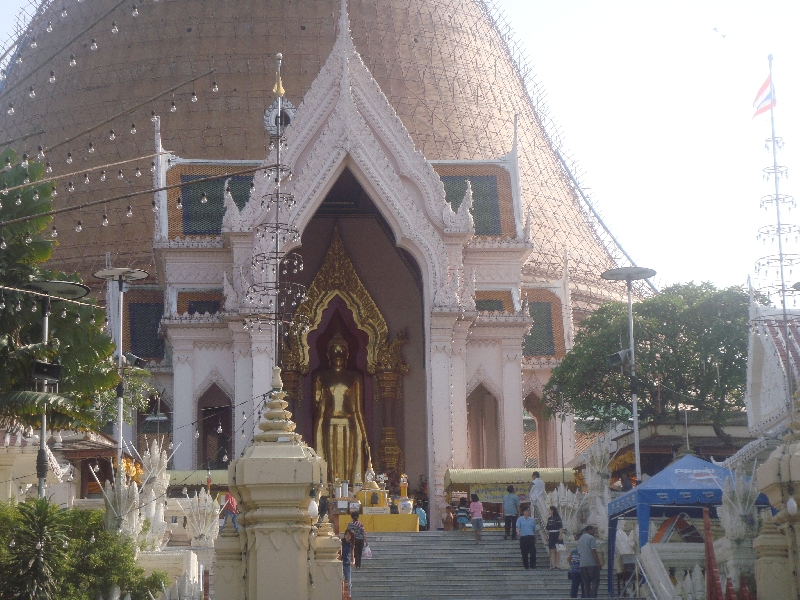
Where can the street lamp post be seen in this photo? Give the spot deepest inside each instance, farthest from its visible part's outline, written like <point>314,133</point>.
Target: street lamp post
<point>120,275</point>
<point>561,410</point>
<point>629,275</point>
<point>55,290</point>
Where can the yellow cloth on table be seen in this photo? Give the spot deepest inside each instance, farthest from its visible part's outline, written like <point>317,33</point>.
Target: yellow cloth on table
<point>378,523</point>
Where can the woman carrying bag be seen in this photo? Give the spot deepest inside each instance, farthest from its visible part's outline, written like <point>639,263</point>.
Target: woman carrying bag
<point>554,527</point>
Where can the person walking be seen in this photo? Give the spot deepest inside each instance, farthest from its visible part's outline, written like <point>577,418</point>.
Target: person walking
<point>590,562</point>
<point>574,574</point>
<point>462,514</point>
<point>360,537</point>
<point>510,512</point>
<point>554,536</point>
<point>447,518</point>
<point>347,556</point>
<point>229,509</point>
<point>537,490</point>
<point>476,511</point>
<point>526,528</point>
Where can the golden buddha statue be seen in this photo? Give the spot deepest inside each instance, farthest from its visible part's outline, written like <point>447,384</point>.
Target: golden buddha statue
<point>340,433</point>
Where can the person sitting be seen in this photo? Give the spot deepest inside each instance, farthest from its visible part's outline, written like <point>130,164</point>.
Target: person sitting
<point>447,518</point>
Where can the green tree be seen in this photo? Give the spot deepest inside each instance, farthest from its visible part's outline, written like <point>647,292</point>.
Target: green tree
<point>691,352</point>
<point>39,548</point>
<point>66,554</point>
<point>77,340</point>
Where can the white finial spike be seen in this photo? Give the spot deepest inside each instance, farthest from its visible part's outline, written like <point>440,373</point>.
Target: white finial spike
<point>344,20</point>
<point>514,144</point>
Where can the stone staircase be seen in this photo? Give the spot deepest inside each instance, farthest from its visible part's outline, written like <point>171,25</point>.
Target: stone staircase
<point>438,564</point>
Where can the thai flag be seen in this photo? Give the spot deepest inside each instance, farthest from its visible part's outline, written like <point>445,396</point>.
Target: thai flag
<point>765,99</point>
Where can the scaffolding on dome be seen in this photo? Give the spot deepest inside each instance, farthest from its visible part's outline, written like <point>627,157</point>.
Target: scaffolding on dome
<point>452,69</point>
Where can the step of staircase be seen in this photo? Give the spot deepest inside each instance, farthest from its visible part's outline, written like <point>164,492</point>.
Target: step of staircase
<point>438,564</point>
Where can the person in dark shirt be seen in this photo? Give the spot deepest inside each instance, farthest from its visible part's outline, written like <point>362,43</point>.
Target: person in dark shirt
<point>554,527</point>
<point>347,555</point>
<point>357,527</point>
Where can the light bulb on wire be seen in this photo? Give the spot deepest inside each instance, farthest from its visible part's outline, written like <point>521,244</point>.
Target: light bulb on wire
<point>72,61</point>
<point>93,46</point>
<point>114,28</point>
<point>173,108</point>
<point>52,78</point>
<point>129,213</point>
<point>79,227</point>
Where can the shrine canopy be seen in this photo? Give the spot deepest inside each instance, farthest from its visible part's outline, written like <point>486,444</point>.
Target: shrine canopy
<point>685,486</point>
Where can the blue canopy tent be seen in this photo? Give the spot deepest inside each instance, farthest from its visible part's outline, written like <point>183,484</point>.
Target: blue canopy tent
<point>686,486</point>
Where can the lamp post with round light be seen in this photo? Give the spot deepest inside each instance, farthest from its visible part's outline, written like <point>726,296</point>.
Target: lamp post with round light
<point>52,291</point>
<point>120,275</point>
<point>629,275</point>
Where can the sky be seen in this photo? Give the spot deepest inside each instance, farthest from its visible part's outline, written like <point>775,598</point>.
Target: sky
<point>654,100</point>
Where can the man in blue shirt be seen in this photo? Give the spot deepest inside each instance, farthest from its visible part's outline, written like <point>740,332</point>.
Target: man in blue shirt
<point>526,528</point>
<point>511,512</point>
<point>422,516</point>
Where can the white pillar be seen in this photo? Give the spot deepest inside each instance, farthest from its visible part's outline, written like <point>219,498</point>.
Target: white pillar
<point>460,458</point>
<point>512,431</point>
<point>184,413</point>
<point>243,388</point>
<point>440,425</point>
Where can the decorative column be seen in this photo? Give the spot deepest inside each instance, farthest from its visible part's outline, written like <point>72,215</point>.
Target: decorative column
<point>243,387</point>
<point>440,425</point>
<point>513,435</point>
<point>275,480</point>
<point>389,452</point>
<point>773,568</point>
<point>779,479</point>
<point>461,330</point>
<point>388,375</point>
<point>184,411</point>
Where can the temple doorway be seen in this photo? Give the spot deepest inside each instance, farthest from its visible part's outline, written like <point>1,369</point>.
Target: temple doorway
<point>370,291</point>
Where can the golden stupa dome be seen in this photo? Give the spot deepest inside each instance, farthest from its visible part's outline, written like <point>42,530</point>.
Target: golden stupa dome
<point>444,66</point>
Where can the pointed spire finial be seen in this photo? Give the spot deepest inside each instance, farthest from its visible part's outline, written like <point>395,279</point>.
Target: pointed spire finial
<point>344,19</point>
<point>278,88</point>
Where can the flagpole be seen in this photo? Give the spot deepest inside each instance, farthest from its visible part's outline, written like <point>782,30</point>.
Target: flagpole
<point>776,173</point>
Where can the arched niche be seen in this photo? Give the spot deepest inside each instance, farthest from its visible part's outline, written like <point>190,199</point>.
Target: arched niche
<point>483,439</point>
<point>214,413</point>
